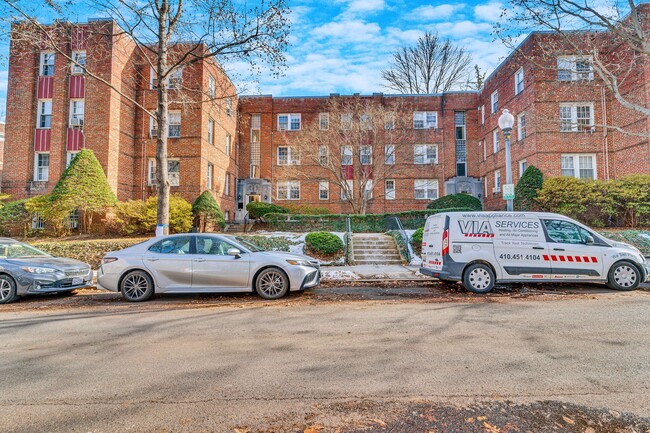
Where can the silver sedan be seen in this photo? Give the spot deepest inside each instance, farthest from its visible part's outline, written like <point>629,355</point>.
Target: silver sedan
<point>204,263</point>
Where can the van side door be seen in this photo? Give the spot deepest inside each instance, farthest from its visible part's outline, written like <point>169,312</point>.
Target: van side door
<point>520,246</point>
<point>572,254</point>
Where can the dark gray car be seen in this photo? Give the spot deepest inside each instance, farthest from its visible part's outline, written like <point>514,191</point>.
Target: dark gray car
<point>26,270</point>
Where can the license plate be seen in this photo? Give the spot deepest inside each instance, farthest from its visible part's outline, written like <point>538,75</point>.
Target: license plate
<point>77,281</point>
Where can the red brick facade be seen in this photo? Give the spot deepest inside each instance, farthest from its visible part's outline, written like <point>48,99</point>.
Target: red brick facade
<point>119,132</point>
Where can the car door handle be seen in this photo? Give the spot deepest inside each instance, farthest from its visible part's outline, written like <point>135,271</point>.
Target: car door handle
<point>538,248</point>
<point>558,249</point>
<point>199,260</point>
<point>153,259</point>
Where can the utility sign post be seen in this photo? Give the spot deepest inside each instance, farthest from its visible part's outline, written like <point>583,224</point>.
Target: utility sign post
<point>509,191</point>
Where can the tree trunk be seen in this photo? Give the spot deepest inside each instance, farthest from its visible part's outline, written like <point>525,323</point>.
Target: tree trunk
<point>162,175</point>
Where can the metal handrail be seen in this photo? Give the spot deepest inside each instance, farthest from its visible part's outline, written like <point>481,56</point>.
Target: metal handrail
<point>405,238</point>
<point>348,240</point>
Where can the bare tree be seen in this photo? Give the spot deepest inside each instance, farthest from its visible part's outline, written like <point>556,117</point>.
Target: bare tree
<point>170,35</point>
<point>354,145</point>
<point>609,37</point>
<point>433,65</point>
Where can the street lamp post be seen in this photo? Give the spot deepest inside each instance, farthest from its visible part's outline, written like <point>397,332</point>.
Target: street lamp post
<point>506,120</point>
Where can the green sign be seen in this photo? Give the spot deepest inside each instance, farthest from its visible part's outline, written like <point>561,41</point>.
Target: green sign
<point>509,191</point>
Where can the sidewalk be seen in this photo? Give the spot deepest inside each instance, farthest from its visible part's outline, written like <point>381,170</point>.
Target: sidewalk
<point>371,272</point>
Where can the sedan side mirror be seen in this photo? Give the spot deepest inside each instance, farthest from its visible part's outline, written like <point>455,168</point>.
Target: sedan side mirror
<point>234,252</point>
<point>589,240</point>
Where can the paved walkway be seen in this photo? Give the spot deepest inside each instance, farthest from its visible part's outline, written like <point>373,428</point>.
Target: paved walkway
<point>372,272</point>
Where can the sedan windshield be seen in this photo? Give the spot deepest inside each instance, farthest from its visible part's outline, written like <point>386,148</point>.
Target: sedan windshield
<point>18,250</point>
<point>248,244</point>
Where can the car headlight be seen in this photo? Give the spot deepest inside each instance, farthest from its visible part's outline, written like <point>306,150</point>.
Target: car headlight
<point>300,262</point>
<point>106,260</point>
<point>37,270</point>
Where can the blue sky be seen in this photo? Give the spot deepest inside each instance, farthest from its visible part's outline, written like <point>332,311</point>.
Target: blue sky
<point>342,45</point>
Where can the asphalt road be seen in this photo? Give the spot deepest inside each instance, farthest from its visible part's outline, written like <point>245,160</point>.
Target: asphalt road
<point>285,367</point>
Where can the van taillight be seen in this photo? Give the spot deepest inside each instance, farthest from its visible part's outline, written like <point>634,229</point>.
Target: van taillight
<point>445,243</point>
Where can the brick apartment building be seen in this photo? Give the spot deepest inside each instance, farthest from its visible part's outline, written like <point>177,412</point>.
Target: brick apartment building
<point>2,147</point>
<point>238,148</point>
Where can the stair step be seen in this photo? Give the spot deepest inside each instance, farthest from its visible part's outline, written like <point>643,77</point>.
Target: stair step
<point>377,262</point>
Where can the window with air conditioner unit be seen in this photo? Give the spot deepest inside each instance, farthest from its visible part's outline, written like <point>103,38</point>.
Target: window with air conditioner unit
<point>425,154</point>
<point>288,155</point>
<point>575,68</point>
<point>425,189</point>
<point>77,113</point>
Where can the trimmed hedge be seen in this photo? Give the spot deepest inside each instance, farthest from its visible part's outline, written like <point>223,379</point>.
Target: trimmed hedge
<point>88,251</point>
<point>370,223</point>
<point>257,209</point>
<point>324,243</point>
<point>469,202</point>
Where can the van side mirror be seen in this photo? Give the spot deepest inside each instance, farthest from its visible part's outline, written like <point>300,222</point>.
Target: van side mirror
<point>234,252</point>
<point>589,240</point>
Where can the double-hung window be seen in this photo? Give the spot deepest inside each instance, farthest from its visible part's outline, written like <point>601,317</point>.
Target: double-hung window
<point>212,87</point>
<point>323,121</point>
<point>211,131</point>
<point>346,155</point>
<point>323,190</point>
<point>288,190</point>
<point>226,184</point>
<point>497,181</point>
<point>229,107</point>
<point>389,120</point>
<point>426,189</point>
<point>41,167</point>
<point>389,189</point>
<point>77,112</point>
<point>346,121</point>
<point>495,140</point>
<point>174,124</point>
<point>69,157</point>
<point>365,155</point>
<point>44,114</point>
<point>79,62</point>
<point>289,122</point>
<point>581,166</point>
<point>228,144</point>
<point>347,190</point>
<point>494,101</point>
<point>47,65</point>
<point>574,68</point>
<point>575,117</point>
<point>521,126</point>
<point>523,165</point>
<point>175,79</point>
<point>173,171</point>
<point>425,154</point>
<point>288,155</point>
<point>519,81</point>
<point>323,155</point>
<point>425,119</point>
<point>365,121</point>
<point>209,175</point>
<point>389,154</point>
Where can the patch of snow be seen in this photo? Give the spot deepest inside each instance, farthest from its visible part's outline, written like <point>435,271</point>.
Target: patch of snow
<point>339,275</point>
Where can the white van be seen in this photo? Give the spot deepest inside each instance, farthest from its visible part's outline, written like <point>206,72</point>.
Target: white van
<point>482,248</point>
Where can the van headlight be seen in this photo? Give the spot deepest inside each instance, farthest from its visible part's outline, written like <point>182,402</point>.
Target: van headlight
<point>38,270</point>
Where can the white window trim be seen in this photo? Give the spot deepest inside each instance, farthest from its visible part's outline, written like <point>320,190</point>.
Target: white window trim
<point>575,75</point>
<point>212,87</point>
<point>228,144</point>
<point>323,157</point>
<point>43,103</point>
<point>347,151</point>
<point>368,190</point>
<point>389,193</point>
<point>575,127</point>
<point>496,145</point>
<point>170,124</point>
<point>346,121</point>
<point>323,186</point>
<point>362,154</point>
<point>290,116</point>
<point>226,184</point>
<point>78,117</point>
<point>389,154</point>
<point>350,184</point>
<point>494,102</point>
<point>517,89</point>
<point>497,181</point>
<point>426,148</point>
<point>69,156</point>
<point>151,172</point>
<point>389,124</point>
<point>418,184</point>
<point>76,69</point>
<point>210,176</point>
<point>175,79</point>
<point>293,156</point>
<point>289,184</point>
<point>211,131</point>
<point>521,167</point>
<point>576,163</point>
<point>324,121</point>
<point>423,116</point>
<point>522,133</point>
<point>482,114</point>
<point>41,63</point>
<point>36,167</point>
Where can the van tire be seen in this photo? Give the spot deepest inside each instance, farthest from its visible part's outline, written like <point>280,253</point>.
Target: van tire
<point>478,278</point>
<point>623,276</point>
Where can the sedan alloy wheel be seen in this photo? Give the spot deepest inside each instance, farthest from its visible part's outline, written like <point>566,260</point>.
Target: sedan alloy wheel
<point>272,284</point>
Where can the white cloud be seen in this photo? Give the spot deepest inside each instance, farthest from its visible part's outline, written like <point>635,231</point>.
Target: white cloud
<point>351,31</point>
<point>4,76</point>
<point>459,29</point>
<point>366,5</point>
<point>432,13</point>
<point>490,12</point>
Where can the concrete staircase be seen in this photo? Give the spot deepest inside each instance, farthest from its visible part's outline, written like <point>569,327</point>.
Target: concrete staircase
<point>374,248</point>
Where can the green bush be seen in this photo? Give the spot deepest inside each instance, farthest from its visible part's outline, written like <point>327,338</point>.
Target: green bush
<point>15,218</point>
<point>416,240</point>
<point>139,217</point>
<point>207,213</point>
<point>306,209</point>
<point>527,189</point>
<point>586,200</point>
<point>632,197</point>
<point>88,251</point>
<point>469,202</point>
<point>324,243</point>
<point>257,209</point>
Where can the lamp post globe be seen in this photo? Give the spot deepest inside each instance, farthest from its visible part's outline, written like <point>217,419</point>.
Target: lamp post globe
<point>506,121</point>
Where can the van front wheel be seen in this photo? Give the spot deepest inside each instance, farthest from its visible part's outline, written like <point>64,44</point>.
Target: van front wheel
<point>623,276</point>
<point>478,278</point>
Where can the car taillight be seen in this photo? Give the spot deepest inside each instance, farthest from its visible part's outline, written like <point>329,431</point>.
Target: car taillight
<point>106,260</point>
<point>445,243</point>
